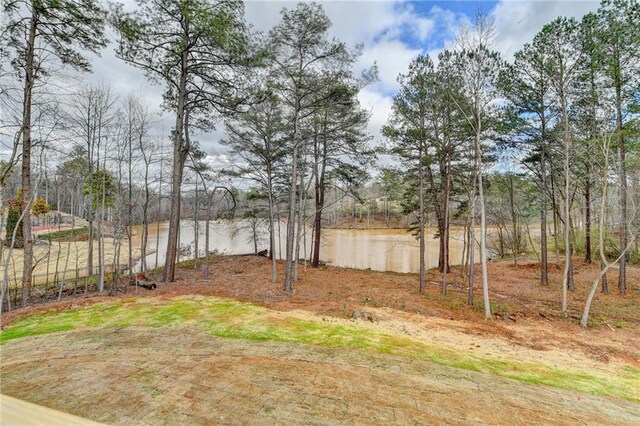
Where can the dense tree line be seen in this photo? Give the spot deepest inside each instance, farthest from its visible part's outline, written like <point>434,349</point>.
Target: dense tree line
<point>553,113</point>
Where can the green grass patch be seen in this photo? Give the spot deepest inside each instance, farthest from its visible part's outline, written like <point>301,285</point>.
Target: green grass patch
<point>502,308</point>
<point>64,233</point>
<point>237,320</point>
<point>189,263</point>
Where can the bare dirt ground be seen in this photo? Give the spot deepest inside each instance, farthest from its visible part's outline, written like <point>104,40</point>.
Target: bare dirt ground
<point>527,314</point>
<point>176,376</point>
<point>143,376</point>
<point>50,260</point>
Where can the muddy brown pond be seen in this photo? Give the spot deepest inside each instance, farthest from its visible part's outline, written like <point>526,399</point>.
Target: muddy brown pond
<point>378,249</point>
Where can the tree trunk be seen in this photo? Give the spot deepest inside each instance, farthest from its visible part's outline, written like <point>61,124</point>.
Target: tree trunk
<point>544,262</point>
<point>130,202</point>
<point>423,272</point>
<point>145,219</point>
<point>515,243</point>
<point>90,217</point>
<point>179,157</point>
<point>567,207</point>
<point>196,228</point>
<point>292,208</point>
<point>472,239</point>
<point>272,237</point>
<point>26,162</point>
<point>445,236</point>
<point>442,255</point>
<point>55,274</point>
<point>101,258</point>
<point>465,244</point>
<point>603,280</point>
<point>483,239</point>
<point>254,228</point>
<point>206,241</point>
<point>572,283</point>
<point>635,194</point>
<point>300,225</point>
<point>155,268</point>
<point>587,220</point>
<point>320,200</point>
<point>317,229</point>
<point>622,276</point>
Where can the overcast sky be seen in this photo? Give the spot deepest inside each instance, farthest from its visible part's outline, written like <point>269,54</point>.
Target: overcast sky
<point>392,32</point>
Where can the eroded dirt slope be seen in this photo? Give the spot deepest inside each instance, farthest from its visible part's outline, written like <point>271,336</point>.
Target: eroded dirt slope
<point>185,376</point>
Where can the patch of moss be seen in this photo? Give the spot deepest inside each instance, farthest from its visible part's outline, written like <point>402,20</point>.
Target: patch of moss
<point>502,308</point>
<point>153,391</point>
<point>190,263</point>
<point>237,320</point>
<point>64,233</point>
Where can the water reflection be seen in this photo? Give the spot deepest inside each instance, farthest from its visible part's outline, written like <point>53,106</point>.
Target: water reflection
<point>378,249</point>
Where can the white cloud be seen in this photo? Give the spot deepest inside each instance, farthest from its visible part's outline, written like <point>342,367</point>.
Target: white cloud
<point>393,57</point>
<point>517,22</point>
<point>379,105</point>
<point>218,162</point>
<point>352,21</point>
<point>448,24</point>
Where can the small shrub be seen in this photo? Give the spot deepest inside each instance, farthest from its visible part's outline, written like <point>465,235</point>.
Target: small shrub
<point>13,221</point>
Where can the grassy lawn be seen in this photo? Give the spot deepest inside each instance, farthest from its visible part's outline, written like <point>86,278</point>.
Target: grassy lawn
<point>64,233</point>
<point>238,320</point>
